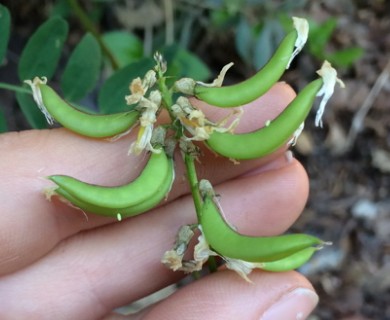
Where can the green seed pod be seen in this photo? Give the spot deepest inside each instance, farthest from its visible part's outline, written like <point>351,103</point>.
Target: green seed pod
<point>291,262</point>
<point>254,87</point>
<point>136,209</point>
<point>229,243</point>
<point>90,125</point>
<point>156,172</point>
<point>275,134</point>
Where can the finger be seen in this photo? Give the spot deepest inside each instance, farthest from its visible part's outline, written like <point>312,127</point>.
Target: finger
<point>114,265</point>
<point>33,226</point>
<point>224,295</point>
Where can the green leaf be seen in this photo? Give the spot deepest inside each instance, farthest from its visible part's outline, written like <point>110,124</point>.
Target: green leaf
<point>183,63</point>
<point>42,52</point>
<point>5,25</point>
<point>61,8</point>
<point>125,47</point>
<point>319,36</point>
<point>3,122</point>
<point>82,70</point>
<point>111,97</point>
<point>34,116</point>
<point>346,57</point>
<point>244,40</point>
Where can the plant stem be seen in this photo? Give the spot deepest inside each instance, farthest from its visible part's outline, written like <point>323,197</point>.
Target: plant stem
<point>90,26</point>
<point>188,158</point>
<point>193,182</point>
<point>14,88</point>
<point>189,161</point>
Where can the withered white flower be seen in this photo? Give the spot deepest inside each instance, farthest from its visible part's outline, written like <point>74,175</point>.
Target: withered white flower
<point>149,108</point>
<point>329,77</point>
<point>173,260</point>
<point>196,123</point>
<point>138,87</point>
<point>217,82</point>
<point>302,27</point>
<point>296,135</point>
<point>37,96</point>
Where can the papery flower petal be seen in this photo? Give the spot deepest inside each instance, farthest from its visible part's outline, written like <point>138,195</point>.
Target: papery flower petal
<point>37,96</point>
<point>329,77</point>
<point>302,27</point>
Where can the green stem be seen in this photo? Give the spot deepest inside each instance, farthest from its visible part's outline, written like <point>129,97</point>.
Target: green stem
<point>14,88</point>
<point>165,92</point>
<point>90,26</point>
<point>189,161</point>
<point>193,182</point>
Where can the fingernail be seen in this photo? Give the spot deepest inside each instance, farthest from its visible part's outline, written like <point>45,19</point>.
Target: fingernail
<point>295,305</point>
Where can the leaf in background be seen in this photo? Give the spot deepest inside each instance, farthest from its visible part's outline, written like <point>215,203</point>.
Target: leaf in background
<point>244,41</point>
<point>3,122</point>
<point>183,63</point>
<point>319,36</point>
<point>61,8</point>
<point>82,69</point>
<point>111,97</point>
<point>267,42</point>
<point>42,52</point>
<point>125,46</point>
<point>220,18</point>
<point>34,116</point>
<point>346,57</point>
<point>5,24</point>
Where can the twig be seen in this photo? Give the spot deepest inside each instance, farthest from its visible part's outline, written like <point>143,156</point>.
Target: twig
<point>90,26</point>
<point>14,88</point>
<point>358,119</point>
<point>169,22</point>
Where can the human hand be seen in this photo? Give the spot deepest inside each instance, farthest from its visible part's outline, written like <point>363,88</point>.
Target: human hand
<point>59,263</point>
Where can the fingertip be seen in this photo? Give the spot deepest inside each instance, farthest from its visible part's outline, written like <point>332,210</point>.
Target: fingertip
<point>224,295</point>
<point>269,200</point>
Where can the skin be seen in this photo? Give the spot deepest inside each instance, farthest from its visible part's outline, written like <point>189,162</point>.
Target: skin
<point>58,263</point>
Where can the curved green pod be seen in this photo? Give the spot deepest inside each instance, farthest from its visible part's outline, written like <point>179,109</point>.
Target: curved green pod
<point>228,243</point>
<point>155,173</point>
<point>266,140</point>
<point>130,211</point>
<point>255,86</point>
<point>90,125</point>
<point>291,262</point>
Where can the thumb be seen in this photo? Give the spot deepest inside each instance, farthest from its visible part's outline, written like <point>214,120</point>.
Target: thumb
<point>224,295</point>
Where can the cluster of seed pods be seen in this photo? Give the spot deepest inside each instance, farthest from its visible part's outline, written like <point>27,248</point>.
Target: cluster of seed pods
<point>150,95</point>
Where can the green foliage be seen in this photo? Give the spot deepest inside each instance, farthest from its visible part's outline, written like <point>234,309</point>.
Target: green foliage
<point>319,37</point>
<point>121,54</point>
<point>3,122</point>
<point>42,52</point>
<point>5,24</point>
<point>183,63</point>
<point>34,116</point>
<point>82,70</point>
<point>125,46</point>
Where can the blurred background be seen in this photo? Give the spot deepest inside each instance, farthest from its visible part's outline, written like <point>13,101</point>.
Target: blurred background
<point>348,161</point>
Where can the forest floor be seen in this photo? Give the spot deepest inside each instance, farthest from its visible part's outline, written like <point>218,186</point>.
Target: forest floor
<point>348,164</point>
